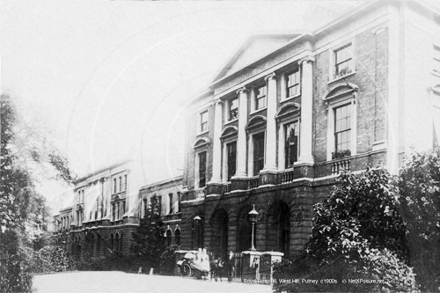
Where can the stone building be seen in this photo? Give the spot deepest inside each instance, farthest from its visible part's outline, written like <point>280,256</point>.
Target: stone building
<point>288,112</point>
<point>104,211</point>
<point>106,205</point>
<point>165,197</point>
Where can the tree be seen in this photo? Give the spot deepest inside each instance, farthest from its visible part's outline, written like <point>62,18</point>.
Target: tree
<point>23,213</point>
<point>357,234</point>
<point>359,209</point>
<point>148,241</point>
<point>420,196</point>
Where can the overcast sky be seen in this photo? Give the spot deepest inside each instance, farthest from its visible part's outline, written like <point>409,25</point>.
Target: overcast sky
<point>109,79</point>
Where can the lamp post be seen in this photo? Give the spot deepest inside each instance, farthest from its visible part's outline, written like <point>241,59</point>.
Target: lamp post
<point>253,215</point>
<point>197,219</point>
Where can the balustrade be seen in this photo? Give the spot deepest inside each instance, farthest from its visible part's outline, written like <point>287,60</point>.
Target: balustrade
<point>338,166</point>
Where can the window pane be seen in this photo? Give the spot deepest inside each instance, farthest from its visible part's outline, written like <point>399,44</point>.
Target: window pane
<point>202,169</point>
<point>292,83</point>
<point>204,121</point>
<point>233,109</point>
<point>258,152</point>
<point>291,144</point>
<point>232,155</point>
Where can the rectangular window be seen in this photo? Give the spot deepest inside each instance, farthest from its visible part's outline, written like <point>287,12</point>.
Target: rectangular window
<point>436,65</point>
<point>120,183</point>
<point>342,128</point>
<point>292,83</point>
<point>233,109</point>
<point>343,61</point>
<point>125,182</point>
<point>202,169</point>
<point>231,149</point>
<point>123,208</point>
<point>114,211</point>
<point>204,121</point>
<point>258,152</point>
<point>260,97</point>
<point>114,185</point>
<point>179,199</point>
<point>171,203</point>
<point>145,207</point>
<point>291,144</point>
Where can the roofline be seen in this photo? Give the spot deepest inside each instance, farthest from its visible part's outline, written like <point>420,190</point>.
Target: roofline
<point>306,34</point>
<point>83,178</point>
<point>200,95</point>
<point>246,43</point>
<point>163,182</point>
<point>348,14</point>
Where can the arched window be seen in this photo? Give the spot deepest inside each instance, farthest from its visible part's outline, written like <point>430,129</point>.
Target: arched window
<point>278,227</point>
<point>244,230</point>
<point>98,245</point>
<point>177,236</point>
<point>197,234</point>
<point>120,243</point>
<point>219,240</point>
<point>117,242</point>
<point>169,235</point>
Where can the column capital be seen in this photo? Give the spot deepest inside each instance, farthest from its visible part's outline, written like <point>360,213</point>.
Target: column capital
<point>217,102</point>
<point>308,59</point>
<point>270,76</point>
<point>242,90</point>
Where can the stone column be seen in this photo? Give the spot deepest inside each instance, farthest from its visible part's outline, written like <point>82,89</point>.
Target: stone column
<point>271,131</point>
<point>241,139</point>
<point>216,146</point>
<point>306,155</point>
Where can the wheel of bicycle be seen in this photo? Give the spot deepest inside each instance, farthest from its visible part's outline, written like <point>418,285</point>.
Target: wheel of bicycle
<point>185,270</point>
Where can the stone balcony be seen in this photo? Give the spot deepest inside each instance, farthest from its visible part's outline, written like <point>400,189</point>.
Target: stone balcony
<point>318,170</point>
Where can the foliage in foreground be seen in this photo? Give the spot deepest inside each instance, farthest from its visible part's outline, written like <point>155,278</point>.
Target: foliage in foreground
<point>357,234</point>
<point>419,187</point>
<point>148,242</point>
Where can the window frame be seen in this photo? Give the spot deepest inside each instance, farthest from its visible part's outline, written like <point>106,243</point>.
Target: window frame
<point>251,154</point>
<point>256,98</point>
<point>286,83</point>
<point>203,124</point>
<point>171,203</point>
<point>345,130</point>
<point>228,109</point>
<point>197,168</point>
<point>334,103</point>
<point>226,143</point>
<point>298,128</point>
<point>333,62</point>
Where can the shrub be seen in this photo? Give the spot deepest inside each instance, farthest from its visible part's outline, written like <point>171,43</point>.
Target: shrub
<point>167,261</point>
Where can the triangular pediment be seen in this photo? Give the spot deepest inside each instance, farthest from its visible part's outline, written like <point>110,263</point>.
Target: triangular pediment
<point>253,49</point>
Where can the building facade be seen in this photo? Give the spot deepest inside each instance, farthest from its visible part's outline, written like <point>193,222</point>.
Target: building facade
<point>165,198</point>
<point>288,112</point>
<point>104,211</point>
<point>107,206</point>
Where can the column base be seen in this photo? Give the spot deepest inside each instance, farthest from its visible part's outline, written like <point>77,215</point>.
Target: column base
<point>214,188</point>
<point>239,183</point>
<point>268,177</point>
<point>306,160</point>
